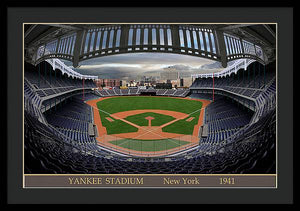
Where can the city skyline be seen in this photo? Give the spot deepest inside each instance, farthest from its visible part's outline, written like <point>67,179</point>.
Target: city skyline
<point>130,66</point>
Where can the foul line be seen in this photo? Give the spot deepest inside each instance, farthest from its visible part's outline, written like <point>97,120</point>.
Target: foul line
<point>123,142</point>
<point>175,142</point>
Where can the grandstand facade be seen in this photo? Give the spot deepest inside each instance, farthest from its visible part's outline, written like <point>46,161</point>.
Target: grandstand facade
<point>238,131</point>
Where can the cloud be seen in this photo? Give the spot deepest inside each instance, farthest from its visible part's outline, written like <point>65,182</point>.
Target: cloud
<point>180,67</point>
<point>132,65</point>
<point>215,65</point>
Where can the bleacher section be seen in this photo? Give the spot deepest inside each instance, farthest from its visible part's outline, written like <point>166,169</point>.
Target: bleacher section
<point>223,118</point>
<point>137,91</point>
<point>47,82</point>
<point>244,83</point>
<point>73,119</point>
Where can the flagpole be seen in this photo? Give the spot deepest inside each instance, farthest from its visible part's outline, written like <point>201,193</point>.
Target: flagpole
<point>213,88</point>
<point>83,88</point>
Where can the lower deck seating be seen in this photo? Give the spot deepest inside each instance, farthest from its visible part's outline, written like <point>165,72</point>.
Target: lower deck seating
<point>44,153</point>
<point>73,118</point>
<point>223,118</point>
<point>137,91</point>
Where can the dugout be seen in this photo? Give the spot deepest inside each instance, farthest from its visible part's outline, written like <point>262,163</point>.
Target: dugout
<point>148,93</point>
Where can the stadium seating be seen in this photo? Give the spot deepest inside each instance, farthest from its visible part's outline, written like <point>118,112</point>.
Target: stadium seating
<point>47,82</point>
<point>245,86</point>
<point>239,140</point>
<point>223,120</point>
<point>137,91</point>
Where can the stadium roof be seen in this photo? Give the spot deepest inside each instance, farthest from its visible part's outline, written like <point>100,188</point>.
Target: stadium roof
<point>263,35</point>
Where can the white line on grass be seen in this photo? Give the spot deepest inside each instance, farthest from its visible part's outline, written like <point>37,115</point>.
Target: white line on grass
<point>174,142</point>
<point>124,142</point>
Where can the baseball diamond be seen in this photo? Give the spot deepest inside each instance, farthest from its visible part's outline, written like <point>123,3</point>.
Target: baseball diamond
<point>133,115</point>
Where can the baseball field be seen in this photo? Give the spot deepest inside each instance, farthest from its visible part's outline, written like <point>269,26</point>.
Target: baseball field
<point>147,125</point>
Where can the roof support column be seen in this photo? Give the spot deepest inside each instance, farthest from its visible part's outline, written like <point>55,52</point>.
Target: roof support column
<point>150,38</point>
<point>175,38</point>
<point>254,75</point>
<point>142,38</point>
<point>242,46</point>
<point>157,37</point>
<point>114,38</point>
<point>221,47</point>
<point>57,45</point>
<point>165,38</point>
<point>185,38</point>
<point>77,48</point>
<point>124,37</point>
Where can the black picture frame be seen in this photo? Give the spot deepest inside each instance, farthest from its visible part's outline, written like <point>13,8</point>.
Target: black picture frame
<point>18,15</point>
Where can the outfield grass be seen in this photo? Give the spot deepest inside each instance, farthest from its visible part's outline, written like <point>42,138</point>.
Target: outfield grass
<point>149,145</point>
<point>159,119</point>
<point>118,104</point>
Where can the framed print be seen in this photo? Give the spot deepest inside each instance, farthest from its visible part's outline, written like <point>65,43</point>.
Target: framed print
<point>151,105</point>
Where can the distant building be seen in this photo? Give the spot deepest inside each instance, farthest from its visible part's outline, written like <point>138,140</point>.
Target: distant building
<point>163,86</point>
<point>181,82</point>
<point>175,83</point>
<point>107,83</point>
<point>187,81</point>
<point>132,83</point>
<point>147,81</point>
<point>123,83</point>
<point>169,74</point>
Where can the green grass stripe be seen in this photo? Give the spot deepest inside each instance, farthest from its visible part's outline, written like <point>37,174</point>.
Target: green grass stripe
<point>159,119</point>
<point>119,104</point>
<point>149,145</point>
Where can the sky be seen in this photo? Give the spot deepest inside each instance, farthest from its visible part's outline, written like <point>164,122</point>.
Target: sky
<point>131,65</point>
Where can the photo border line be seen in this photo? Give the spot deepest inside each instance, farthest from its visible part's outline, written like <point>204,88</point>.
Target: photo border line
<point>171,23</point>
